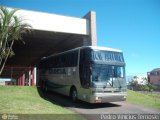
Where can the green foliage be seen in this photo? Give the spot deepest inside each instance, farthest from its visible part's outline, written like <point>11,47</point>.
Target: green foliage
<point>145,88</point>
<point>148,87</point>
<point>134,83</point>
<point>4,53</point>
<point>12,28</point>
<point>151,87</point>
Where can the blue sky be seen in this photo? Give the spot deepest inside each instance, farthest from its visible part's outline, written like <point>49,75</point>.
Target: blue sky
<point>130,25</point>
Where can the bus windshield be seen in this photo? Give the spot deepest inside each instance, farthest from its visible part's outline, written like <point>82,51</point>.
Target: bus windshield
<point>108,76</point>
<point>101,72</point>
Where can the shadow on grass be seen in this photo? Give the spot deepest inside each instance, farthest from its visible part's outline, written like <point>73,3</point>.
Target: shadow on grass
<point>65,101</point>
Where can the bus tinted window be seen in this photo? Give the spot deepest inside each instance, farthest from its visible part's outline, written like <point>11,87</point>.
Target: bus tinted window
<point>63,60</point>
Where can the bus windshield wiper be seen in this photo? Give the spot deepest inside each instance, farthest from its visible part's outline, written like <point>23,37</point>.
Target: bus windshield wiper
<point>107,84</point>
<point>119,83</point>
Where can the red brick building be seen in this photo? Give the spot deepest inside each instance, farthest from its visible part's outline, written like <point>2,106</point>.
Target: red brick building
<point>154,77</point>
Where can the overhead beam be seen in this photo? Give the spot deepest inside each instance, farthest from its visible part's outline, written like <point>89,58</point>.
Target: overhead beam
<point>54,22</point>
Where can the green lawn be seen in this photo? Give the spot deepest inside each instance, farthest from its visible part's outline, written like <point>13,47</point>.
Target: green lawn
<point>145,99</point>
<point>26,100</point>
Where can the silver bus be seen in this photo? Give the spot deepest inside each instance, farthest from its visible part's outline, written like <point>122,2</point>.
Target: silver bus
<point>92,74</point>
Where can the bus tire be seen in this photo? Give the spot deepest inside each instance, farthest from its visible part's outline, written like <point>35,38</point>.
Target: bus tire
<point>73,94</point>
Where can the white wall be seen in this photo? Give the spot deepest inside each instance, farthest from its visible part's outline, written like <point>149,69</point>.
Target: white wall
<point>2,83</point>
<point>54,22</point>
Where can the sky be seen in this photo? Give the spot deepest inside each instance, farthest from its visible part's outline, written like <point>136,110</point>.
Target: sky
<point>130,25</point>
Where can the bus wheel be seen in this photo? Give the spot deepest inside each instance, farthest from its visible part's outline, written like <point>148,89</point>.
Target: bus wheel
<point>74,94</point>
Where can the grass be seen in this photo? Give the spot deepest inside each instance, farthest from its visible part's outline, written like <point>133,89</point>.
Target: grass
<point>145,99</point>
<point>26,100</point>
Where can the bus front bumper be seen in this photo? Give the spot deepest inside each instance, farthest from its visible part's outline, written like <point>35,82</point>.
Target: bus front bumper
<point>104,98</point>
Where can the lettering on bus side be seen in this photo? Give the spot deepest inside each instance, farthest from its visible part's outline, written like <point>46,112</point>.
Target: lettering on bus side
<point>57,71</point>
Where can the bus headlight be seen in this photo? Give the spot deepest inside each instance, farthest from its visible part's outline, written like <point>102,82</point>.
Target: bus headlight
<point>98,99</point>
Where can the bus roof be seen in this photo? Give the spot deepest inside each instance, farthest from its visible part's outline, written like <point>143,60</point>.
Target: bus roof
<point>83,47</point>
<point>97,48</point>
<point>104,48</point>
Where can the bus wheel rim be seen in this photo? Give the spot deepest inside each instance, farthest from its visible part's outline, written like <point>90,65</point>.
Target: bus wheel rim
<point>74,95</point>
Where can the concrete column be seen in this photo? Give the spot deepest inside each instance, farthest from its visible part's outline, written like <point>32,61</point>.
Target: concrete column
<point>20,81</point>
<point>17,82</point>
<point>32,76</point>
<point>91,39</point>
<point>29,80</point>
<point>23,79</point>
<point>35,75</point>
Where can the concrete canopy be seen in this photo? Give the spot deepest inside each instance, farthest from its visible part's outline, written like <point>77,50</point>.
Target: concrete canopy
<point>51,34</point>
<point>42,44</point>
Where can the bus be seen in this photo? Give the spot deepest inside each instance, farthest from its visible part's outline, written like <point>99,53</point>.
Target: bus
<point>90,73</point>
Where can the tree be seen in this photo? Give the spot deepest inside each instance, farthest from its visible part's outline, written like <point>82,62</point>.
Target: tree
<point>135,78</point>
<point>151,87</point>
<point>12,28</point>
<point>145,88</point>
<point>145,80</point>
<point>134,85</point>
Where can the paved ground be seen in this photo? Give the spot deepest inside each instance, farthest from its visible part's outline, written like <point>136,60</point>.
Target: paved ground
<point>99,111</point>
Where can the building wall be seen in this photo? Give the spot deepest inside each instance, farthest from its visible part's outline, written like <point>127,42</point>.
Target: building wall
<point>154,77</point>
<point>155,80</point>
<point>54,22</point>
